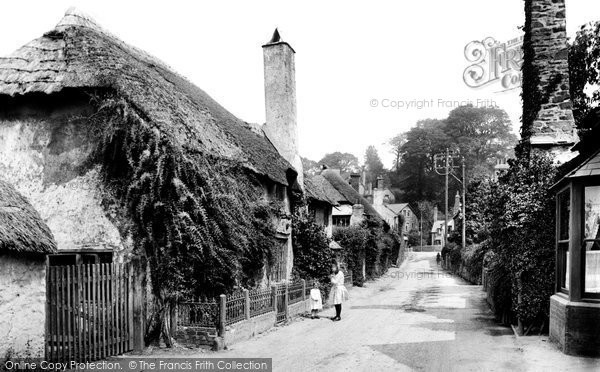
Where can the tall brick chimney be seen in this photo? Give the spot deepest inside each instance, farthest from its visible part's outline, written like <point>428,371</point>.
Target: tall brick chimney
<point>548,123</point>
<point>280,100</point>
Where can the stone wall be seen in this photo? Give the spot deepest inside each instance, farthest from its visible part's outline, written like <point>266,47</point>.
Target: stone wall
<point>247,329</point>
<point>22,305</point>
<point>195,337</point>
<point>547,109</point>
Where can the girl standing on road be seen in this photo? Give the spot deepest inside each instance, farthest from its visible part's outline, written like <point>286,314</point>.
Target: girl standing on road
<point>338,293</point>
<point>316,303</point>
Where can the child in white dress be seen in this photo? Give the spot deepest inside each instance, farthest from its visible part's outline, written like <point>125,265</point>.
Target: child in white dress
<point>338,293</point>
<point>316,302</point>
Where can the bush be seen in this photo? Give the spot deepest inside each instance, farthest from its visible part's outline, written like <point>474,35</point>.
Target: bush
<point>312,255</point>
<point>353,239</point>
<point>520,215</point>
<point>372,244</point>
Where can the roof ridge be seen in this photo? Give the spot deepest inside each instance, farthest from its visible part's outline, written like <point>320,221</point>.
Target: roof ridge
<point>75,17</point>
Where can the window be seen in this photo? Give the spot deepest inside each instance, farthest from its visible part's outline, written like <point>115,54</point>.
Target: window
<point>563,213</point>
<point>591,245</point>
<point>80,258</point>
<point>341,220</point>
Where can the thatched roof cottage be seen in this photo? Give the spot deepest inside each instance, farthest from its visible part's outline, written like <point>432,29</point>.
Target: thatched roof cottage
<point>124,158</point>
<point>24,241</point>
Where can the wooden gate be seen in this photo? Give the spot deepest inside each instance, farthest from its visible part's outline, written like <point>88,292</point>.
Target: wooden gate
<point>282,301</point>
<point>89,311</point>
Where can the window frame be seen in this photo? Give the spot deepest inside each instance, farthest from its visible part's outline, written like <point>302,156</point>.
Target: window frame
<point>561,253</point>
<point>588,182</point>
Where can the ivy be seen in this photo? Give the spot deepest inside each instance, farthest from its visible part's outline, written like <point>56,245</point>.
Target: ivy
<point>520,220</point>
<point>202,223</point>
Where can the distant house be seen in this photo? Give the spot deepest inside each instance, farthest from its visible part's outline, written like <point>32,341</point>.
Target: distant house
<point>405,212</point>
<point>47,146</point>
<point>322,198</point>
<point>437,231</point>
<point>438,227</point>
<point>25,240</point>
<point>352,208</point>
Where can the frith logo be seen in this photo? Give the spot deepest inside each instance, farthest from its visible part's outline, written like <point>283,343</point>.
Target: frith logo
<point>494,62</point>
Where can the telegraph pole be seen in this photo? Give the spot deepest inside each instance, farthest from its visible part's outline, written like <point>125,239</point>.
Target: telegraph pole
<point>447,173</point>
<point>464,208</point>
<point>446,170</point>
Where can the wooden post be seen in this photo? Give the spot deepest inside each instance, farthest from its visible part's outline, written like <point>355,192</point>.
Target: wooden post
<point>138,314</point>
<point>222,314</point>
<point>576,237</point>
<point>247,303</point>
<point>47,342</point>
<point>303,289</point>
<point>287,301</point>
<point>274,300</point>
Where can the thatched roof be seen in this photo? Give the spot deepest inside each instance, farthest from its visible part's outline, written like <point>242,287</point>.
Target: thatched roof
<point>80,54</point>
<point>350,196</point>
<point>21,227</point>
<point>318,188</point>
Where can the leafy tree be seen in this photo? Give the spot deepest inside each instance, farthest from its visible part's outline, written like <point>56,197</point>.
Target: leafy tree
<point>416,177</point>
<point>584,71</point>
<point>373,165</point>
<point>344,161</point>
<point>396,144</point>
<point>481,135</point>
<point>310,167</point>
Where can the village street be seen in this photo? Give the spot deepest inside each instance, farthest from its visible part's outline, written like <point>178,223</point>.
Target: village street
<point>415,318</point>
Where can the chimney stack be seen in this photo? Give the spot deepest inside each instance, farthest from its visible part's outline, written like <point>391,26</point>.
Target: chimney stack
<point>435,213</point>
<point>379,183</point>
<point>355,181</point>
<point>548,123</point>
<point>358,214</point>
<point>280,100</point>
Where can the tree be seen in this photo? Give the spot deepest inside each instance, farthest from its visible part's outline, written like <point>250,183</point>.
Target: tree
<point>397,143</point>
<point>344,161</point>
<point>481,135</point>
<point>584,71</point>
<point>310,167</point>
<point>416,177</point>
<point>373,165</point>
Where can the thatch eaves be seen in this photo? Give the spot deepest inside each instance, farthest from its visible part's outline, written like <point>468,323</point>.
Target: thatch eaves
<point>22,230</point>
<point>80,54</point>
<point>318,188</point>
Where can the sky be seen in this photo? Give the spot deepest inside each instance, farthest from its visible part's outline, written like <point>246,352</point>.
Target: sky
<point>354,59</point>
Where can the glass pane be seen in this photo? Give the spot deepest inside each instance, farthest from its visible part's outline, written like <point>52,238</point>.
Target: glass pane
<point>564,208</point>
<point>563,264</point>
<point>592,248</point>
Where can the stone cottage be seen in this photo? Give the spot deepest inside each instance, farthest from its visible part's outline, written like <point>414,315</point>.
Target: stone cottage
<point>48,128</point>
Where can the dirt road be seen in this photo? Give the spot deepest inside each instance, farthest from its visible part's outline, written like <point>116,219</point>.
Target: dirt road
<point>417,317</point>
